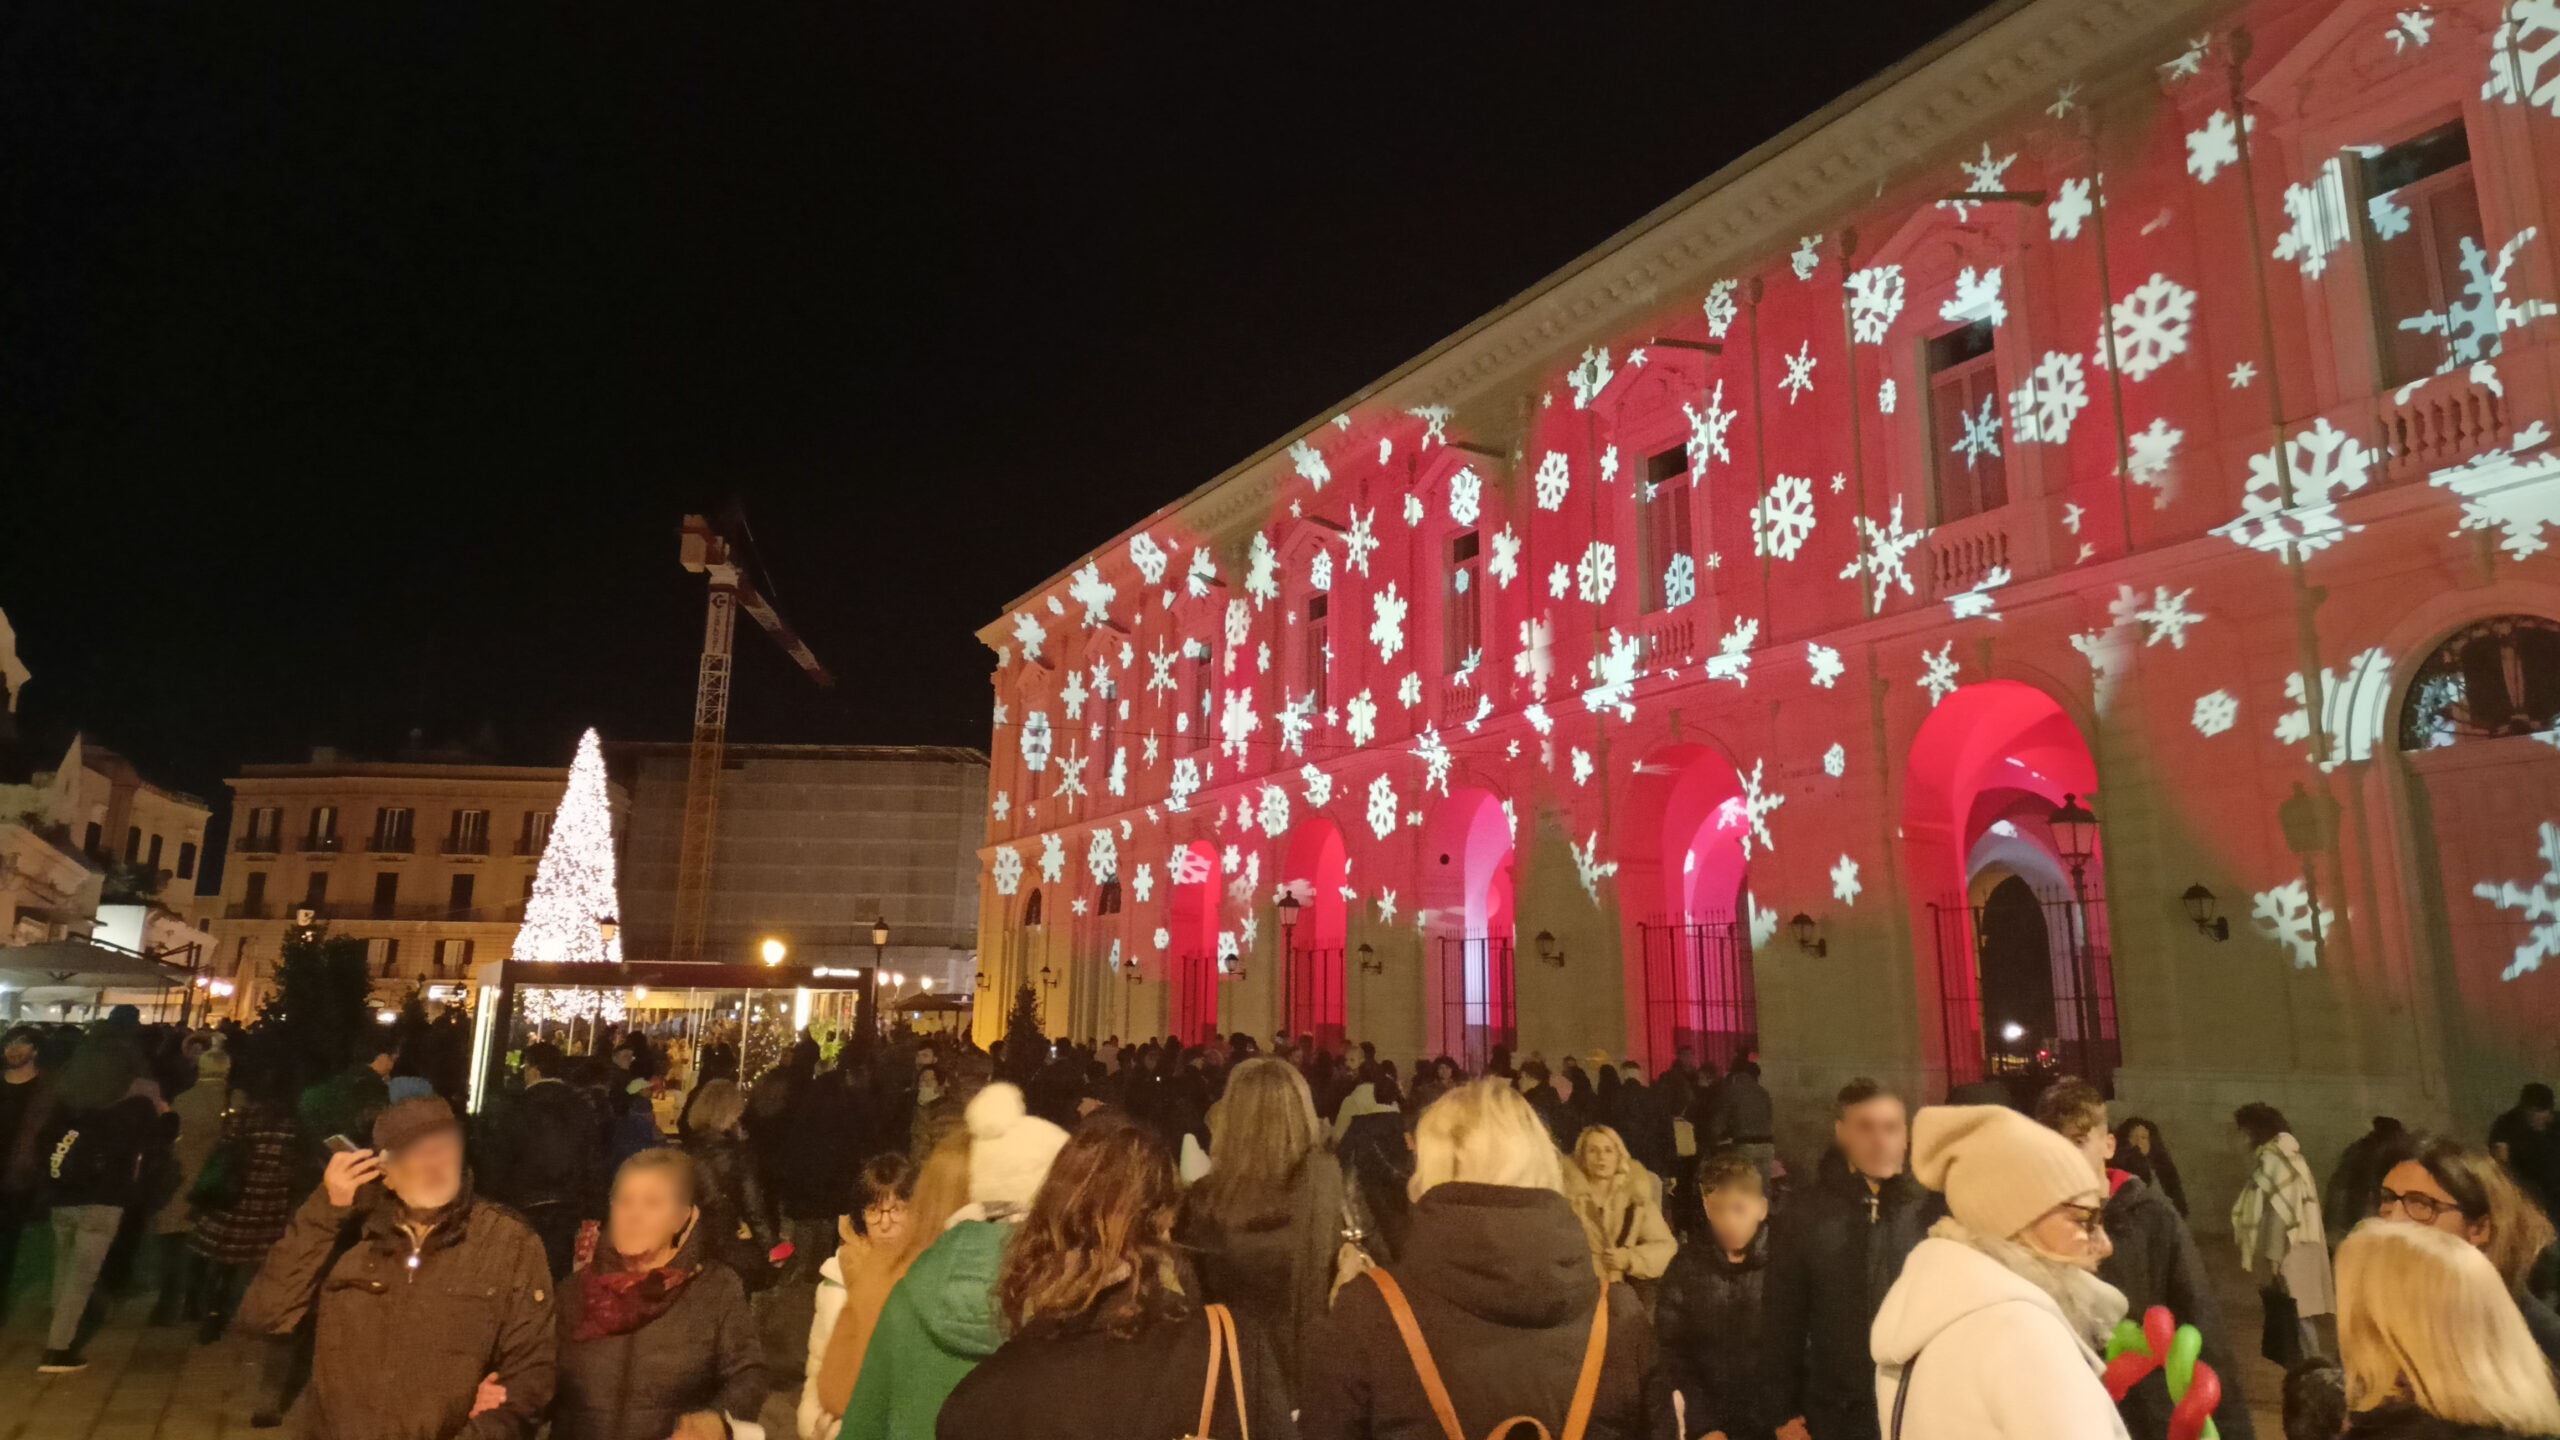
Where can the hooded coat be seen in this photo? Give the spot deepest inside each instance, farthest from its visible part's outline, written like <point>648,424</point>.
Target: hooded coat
<point>1501,1284</point>
<point>1833,1253</point>
<point>1706,1329</point>
<point>940,1321</point>
<point>700,1354</point>
<point>2396,1420</point>
<point>1076,1381</point>
<point>1986,1354</point>
<point>2155,1263</point>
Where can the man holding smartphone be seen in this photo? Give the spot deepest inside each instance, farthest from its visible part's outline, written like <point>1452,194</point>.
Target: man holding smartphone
<point>434,1307</point>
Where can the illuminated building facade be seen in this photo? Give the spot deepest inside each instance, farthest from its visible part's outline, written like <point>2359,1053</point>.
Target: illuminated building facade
<point>1719,644</point>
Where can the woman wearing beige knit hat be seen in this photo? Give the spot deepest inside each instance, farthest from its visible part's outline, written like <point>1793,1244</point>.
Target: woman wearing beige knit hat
<point>1996,1325</point>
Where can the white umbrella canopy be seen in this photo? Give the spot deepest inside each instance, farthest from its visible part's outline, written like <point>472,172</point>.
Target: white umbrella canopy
<point>82,965</point>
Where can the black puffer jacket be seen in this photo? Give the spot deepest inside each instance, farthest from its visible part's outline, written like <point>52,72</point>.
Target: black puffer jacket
<point>2155,1263</point>
<point>1501,1283</point>
<point>1706,1329</point>
<point>2398,1421</point>
<point>1076,1382</point>
<point>737,1217</point>
<point>701,1354</point>
<point>1833,1253</point>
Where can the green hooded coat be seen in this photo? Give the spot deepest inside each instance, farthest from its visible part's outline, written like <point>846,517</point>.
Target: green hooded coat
<point>939,1322</point>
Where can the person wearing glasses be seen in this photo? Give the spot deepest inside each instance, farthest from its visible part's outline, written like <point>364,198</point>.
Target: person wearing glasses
<point>1996,1326</point>
<point>2463,1190</point>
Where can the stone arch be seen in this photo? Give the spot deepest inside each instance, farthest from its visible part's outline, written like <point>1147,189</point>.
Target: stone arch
<point>1315,869</point>
<point>1191,960</point>
<point>1466,912</point>
<point>1682,879</point>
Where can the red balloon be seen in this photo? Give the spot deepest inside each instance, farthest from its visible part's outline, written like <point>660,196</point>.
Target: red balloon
<point>2126,1370</point>
<point>2204,1395</point>
<point>2160,1328</point>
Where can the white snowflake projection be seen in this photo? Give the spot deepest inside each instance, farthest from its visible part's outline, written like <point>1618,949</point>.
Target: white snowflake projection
<point>1535,660</point>
<point>1271,809</point>
<point>1981,434</point>
<point>1799,376</point>
<point>1239,628</point>
<point>1559,581</point>
<point>1977,299</point>
<point>2319,215</point>
<point>1119,781</point>
<point>1595,575</point>
<point>1614,669</point>
<point>1707,430</point>
<point>1756,807</point>
<point>1844,881</point>
<point>1807,257</point>
<point>2325,463</point>
<point>1070,787</point>
<point>1189,866</point>
<point>1938,673</point>
<point>1028,634</point>
<point>1883,553</point>
<point>2149,451</point>
<point>2509,491</point>
<point>1150,749</point>
<point>1320,570</point>
<point>1466,495</point>
<point>1008,870</point>
<point>2242,374</point>
<point>1588,867</point>
<point>2167,618</point>
<point>1435,758</point>
<point>1309,463</point>
<point>2055,392</point>
<point>1360,719</point>
<point>1409,689</point>
<point>2215,146</point>
<point>1835,761</point>
<point>2390,218</point>
<point>2475,327</point>
<point>1262,571</point>
<point>1504,566</point>
<point>1319,786</point>
<point>1232,862</point>
<point>1000,715</point>
<point>1875,302</point>
<point>2189,63</point>
<point>2285,916</point>
<point>1160,668</point>
<point>1609,464</point>
<point>1974,601</point>
<point>1825,664</point>
<point>1181,785</point>
<point>1885,398</point>
<point>1679,581</point>
<point>1053,859</point>
<point>1360,540</point>
<point>1295,719</point>
<point>1087,588</point>
<point>1073,695</point>
<point>1553,480</point>
<point>1783,519</point>
<point>1383,812</point>
<point>1984,176</point>
<point>1386,627</point>
<point>2216,711</point>
<point>2537,904</point>
<point>1413,511</point>
<point>1435,424</point>
<point>1057,606</point>
<point>1581,765</point>
<point>1148,556</point>
<point>2524,57</point>
<point>1036,741</point>
<point>2411,29</point>
<point>1142,882</point>
<point>1102,856</point>
<point>1720,308</point>
<point>1590,377</point>
<point>1236,723</point>
<point>2070,208</point>
<point>1202,574</point>
<point>2072,514</point>
<point>1764,921</point>
<point>2151,325</point>
<point>1002,806</point>
<point>2352,708</point>
<point>1386,903</point>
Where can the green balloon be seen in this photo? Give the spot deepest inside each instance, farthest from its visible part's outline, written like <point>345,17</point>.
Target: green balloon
<point>2127,1339</point>
<point>2182,1360</point>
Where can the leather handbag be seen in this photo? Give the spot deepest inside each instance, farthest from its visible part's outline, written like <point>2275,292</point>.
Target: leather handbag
<point>1225,1352</point>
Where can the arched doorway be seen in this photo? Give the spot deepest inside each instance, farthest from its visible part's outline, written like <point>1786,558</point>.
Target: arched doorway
<point>1683,874</point>
<point>2022,964</point>
<point>1314,871</point>
<point>1467,916</point>
<point>1191,960</point>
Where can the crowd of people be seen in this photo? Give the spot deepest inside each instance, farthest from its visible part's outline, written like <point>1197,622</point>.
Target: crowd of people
<point>1056,1241</point>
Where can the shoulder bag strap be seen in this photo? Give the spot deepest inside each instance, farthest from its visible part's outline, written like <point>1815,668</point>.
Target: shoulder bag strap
<point>1217,1353</point>
<point>1586,1390</point>
<point>1225,1320</point>
<point>1393,1294</point>
<point>1902,1393</point>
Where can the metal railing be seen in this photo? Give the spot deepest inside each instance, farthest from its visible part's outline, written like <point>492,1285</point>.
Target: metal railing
<point>1479,1001</point>
<point>322,844</point>
<point>2054,980</point>
<point>1698,991</point>
<point>1315,996</point>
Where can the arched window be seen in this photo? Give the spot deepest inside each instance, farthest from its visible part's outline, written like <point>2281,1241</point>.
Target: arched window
<point>1031,912</point>
<point>2499,676</point>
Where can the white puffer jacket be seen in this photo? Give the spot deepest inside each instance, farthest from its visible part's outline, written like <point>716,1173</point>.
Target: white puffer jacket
<point>1996,1358</point>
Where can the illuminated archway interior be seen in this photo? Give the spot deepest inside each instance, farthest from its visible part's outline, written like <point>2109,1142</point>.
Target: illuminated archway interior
<point>1191,960</point>
<point>1467,912</point>
<point>1315,871</point>
<point>1685,880</point>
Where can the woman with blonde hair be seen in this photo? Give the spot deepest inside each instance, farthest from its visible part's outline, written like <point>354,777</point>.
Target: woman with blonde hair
<point>2431,1343</point>
<point>2463,1191</point>
<point>1267,1224</point>
<point>738,1220</point>
<point>1618,1202</point>
<point>1493,1312</point>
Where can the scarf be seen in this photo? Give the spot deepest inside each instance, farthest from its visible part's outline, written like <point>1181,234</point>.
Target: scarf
<point>2090,1306</point>
<point>613,1297</point>
<point>2279,1180</point>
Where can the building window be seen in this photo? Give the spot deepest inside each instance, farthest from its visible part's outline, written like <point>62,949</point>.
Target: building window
<point>459,900</point>
<point>1197,697</point>
<point>265,829</point>
<point>1964,384</point>
<point>2494,678</point>
<point>1315,664</point>
<point>1464,628</point>
<point>2422,204</point>
<point>1031,912</point>
<point>151,854</point>
<point>383,956</point>
<point>323,834</point>
<point>253,894</point>
<point>453,957</point>
<point>133,845</point>
<point>1662,530</point>
<point>386,895</point>
<point>535,833</point>
<point>186,859</point>
<point>395,829</point>
<point>97,837</point>
<point>470,833</point>
<point>315,890</point>
<point>1108,903</point>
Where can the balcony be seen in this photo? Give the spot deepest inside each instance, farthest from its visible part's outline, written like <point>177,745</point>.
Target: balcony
<point>1461,696</point>
<point>247,910</point>
<point>428,912</point>
<point>1963,552</point>
<point>1669,639</point>
<point>468,845</point>
<point>526,847</point>
<point>322,845</point>
<point>258,845</point>
<point>391,845</point>
<point>2440,424</point>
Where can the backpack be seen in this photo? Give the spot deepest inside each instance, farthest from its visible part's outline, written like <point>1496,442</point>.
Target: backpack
<point>84,1160</point>
<point>1586,1389</point>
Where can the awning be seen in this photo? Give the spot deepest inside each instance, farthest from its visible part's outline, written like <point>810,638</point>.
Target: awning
<point>932,1004</point>
<point>83,965</point>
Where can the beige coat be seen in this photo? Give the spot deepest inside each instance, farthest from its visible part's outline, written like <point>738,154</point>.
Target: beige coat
<point>1624,1216</point>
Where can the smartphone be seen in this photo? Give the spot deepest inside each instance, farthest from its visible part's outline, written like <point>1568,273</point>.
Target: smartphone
<point>338,1144</point>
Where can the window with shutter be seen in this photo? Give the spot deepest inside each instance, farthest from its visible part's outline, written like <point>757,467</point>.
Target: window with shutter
<point>1964,385</point>
<point>2420,204</point>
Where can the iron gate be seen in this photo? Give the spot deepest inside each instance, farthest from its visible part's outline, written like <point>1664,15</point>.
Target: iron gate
<point>1315,997</point>
<point>1194,998</point>
<point>1698,992</point>
<point>1478,1002</point>
<point>2081,1039</point>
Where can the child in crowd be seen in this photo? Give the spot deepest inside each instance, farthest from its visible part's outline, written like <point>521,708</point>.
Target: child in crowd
<point>1707,1314</point>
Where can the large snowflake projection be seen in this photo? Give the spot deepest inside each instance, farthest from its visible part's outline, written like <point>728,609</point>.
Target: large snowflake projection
<point>1884,398</point>
<point>1559,581</point>
<point>2149,452</point>
<point>1466,495</point>
<point>1119,781</point>
<point>1553,480</point>
<point>2213,147</point>
<point>1319,791</point>
<point>1320,570</point>
<point>1036,740</point>
<point>1409,689</point>
<point>2509,492</point>
<point>1008,871</point>
<point>1679,581</point>
<point>1732,660</point>
<point>1360,719</point>
<point>1239,629</point>
<point>2411,29</point>
<point>2538,905</point>
<point>1707,430</point>
<point>1981,434</point>
<point>2475,327</point>
<point>1614,668</point>
<point>1504,566</point>
<point>2351,708</point>
<point>1582,767</point>
<point>2325,463</point>
<point>1535,660</point>
<point>1807,257</point>
<point>1799,376</point>
<point>1087,588</point>
<point>2216,711</point>
<point>1875,302</point>
<point>2167,618</point>
<point>1002,806</point>
<point>2319,215</point>
<point>1028,634</point>
<point>1070,788</point>
<point>1160,668</point>
<point>1720,308</point>
<point>1236,724</point>
<point>2285,916</point>
<point>1262,571</point>
<point>1435,758</point>
<point>1595,575</point>
<point>1383,812</point>
<point>1271,809</point>
<point>2524,56</point>
<point>1756,806</point>
<point>1974,601</point>
<point>1148,556</point>
<point>2055,392</point>
<point>1883,553</point>
<point>1308,461</point>
<point>1142,883</point>
<point>1361,540</point>
<point>1938,673</point>
<point>1590,377</point>
<point>2071,206</point>
<point>1784,519</point>
<point>1386,903</point>
<point>1435,424</point>
<point>2151,325</point>
<point>1977,299</point>
<point>1825,664</point>
<point>1053,859</point>
<point>1296,718</point>
<point>1202,573</point>
<point>2390,218</point>
<point>1102,856</point>
<point>1835,761</point>
<point>1386,626</point>
<point>1981,177</point>
<point>1588,867</point>
<point>1844,881</point>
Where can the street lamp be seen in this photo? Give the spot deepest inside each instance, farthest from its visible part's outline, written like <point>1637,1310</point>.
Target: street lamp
<point>2075,835</point>
<point>774,950</point>
<point>2199,903</point>
<point>1288,960</point>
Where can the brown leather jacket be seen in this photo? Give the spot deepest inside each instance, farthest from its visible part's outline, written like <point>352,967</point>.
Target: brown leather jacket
<point>400,1350</point>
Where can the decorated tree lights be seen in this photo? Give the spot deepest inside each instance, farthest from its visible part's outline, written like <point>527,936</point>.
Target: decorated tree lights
<point>573,914</point>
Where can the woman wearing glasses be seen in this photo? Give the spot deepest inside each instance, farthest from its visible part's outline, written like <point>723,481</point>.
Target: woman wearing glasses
<point>2462,1190</point>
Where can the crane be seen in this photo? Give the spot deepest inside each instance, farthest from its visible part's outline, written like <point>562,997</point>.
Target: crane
<point>721,553</point>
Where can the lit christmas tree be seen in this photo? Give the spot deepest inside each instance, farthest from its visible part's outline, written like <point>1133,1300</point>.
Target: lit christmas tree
<point>573,899</point>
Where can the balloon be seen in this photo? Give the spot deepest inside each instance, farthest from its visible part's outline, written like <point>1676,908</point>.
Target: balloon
<point>2159,1327</point>
<point>2193,1419</point>
<point>2128,1339</point>
<point>2125,1371</point>
<point>2181,1360</point>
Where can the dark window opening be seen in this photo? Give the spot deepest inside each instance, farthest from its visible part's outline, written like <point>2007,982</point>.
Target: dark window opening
<point>1965,424</point>
<point>2420,206</point>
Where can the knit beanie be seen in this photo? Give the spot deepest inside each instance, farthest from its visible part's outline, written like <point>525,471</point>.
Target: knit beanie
<point>1998,1169</point>
<point>1009,1147</point>
<point>409,1121</point>
<point>409,1087</point>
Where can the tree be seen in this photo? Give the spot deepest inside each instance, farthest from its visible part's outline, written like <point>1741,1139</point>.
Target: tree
<point>322,1003</point>
<point>573,888</point>
<point>1026,1045</point>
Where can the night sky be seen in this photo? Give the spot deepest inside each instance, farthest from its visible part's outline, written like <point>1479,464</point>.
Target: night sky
<point>357,362</point>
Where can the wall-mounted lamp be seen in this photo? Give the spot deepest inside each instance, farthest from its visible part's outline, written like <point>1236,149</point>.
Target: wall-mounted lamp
<point>1806,940</point>
<point>1548,950</point>
<point>774,950</point>
<point>983,985</point>
<point>1370,964</point>
<point>2200,905</point>
<point>607,928</point>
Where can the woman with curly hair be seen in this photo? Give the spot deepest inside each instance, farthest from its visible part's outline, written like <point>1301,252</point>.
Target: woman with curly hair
<point>1106,1342</point>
